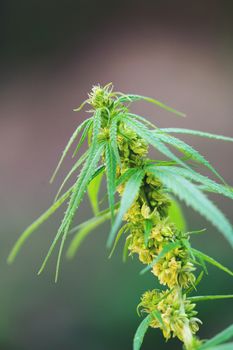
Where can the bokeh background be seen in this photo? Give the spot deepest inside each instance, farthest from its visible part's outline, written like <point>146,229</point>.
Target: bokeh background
<point>52,52</point>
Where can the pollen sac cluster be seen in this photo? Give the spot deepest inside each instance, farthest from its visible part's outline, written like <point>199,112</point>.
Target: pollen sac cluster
<point>151,231</point>
<point>99,97</point>
<point>173,269</point>
<point>173,319</point>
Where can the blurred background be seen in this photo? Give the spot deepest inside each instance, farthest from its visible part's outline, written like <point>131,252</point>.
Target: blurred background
<point>52,52</point>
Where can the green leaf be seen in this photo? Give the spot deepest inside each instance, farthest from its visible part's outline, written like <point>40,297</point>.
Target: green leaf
<point>69,144</point>
<point>76,197</point>
<point>212,261</point>
<point>147,230</point>
<point>198,133</point>
<point>83,232</point>
<point>125,176</point>
<point>121,231</point>
<point>86,173</point>
<point>187,150</point>
<point>176,216</point>
<point>210,185</point>
<point>220,338</point>
<point>210,297</point>
<point>111,165</point>
<point>113,139</point>
<point>34,226</point>
<point>227,346</point>
<point>75,200</point>
<point>142,119</point>
<point>131,191</point>
<point>203,264</point>
<point>71,172</point>
<point>93,190</point>
<point>141,331</point>
<point>166,249</point>
<point>149,137</point>
<point>132,98</point>
<point>193,197</point>
<point>83,137</point>
<point>156,314</point>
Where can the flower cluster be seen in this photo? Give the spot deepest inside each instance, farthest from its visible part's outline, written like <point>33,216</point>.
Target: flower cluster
<point>174,269</point>
<point>173,317</point>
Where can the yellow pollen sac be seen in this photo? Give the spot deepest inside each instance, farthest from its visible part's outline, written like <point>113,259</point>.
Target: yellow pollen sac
<point>177,314</point>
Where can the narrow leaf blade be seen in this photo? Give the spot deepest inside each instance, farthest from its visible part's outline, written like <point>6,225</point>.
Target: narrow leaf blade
<point>132,98</point>
<point>141,331</point>
<point>198,133</point>
<point>176,216</point>
<point>69,144</point>
<point>220,338</point>
<point>93,190</point>
<point>111,164</point>
<point>30,229</point>
<point>132,188</point>
<point>211,261</point>
<point>193,197</point>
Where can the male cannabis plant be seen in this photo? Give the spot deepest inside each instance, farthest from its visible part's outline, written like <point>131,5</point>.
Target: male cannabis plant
<point>154,229</point>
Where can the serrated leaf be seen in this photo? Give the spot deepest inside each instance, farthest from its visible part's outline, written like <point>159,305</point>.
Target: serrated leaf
<point>166,249</point>
<point>187,150</point>
<point>93,189</point>
<point>111,165</point>
<point>142,119</point>
<point>211,261</point>
<point>132,98</point>
<point>198,133</point>
<point>34,226</point>
<point>210,297</point>
<point>69,144</point>
<point>113,139</point>
<point>125,176</point>
<point>176,216</point>
<point>210,185</point>
<point>83,137</point>
<point>220,338</point>
<point>87,171</point>
<point>193,197</point>
<point>148,136</point>
<point>141,331</point>
<point>131,190</point>
<point>83,233</point>
<point>75,200</point>
<point>71,172</point>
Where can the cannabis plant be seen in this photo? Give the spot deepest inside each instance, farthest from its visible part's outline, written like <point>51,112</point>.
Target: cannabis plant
<point>142,193</point>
